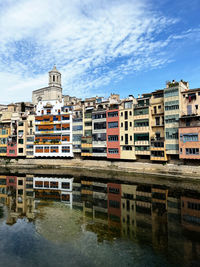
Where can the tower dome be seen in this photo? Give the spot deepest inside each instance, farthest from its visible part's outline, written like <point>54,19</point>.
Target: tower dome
<point>54,77</point>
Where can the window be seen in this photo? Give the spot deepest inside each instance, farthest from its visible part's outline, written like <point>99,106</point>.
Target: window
<point>121,114</point>
<point>141,111</point>
<point>126,139</point>
<point>113,124</point>
<point>141,123</point>
<point>130,124</point>
<point>130,137</point>
<point>155,110</point>
<point>130,113</point>
<point>127,148</point>
<point>190,138</point>
<point>159,107</point>
<point>192,151</point>
<point>65,149</point>
<point>171,133</point>
<point>126,125</point>
<point>128,105</point>
<point>20,182</point>
<point>126,115</point>
<point>181,150</point>
<point>122,138</point>
<point>100,125</point>
<point>157,121</point>
<point>20,150</point>
<point>121,124</point>
<point>65,185</point>
<point>112,138</point>
<point>113,114</point>
<point>113,151</point>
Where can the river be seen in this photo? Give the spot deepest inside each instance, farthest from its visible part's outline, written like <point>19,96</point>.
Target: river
<point>52,220</point>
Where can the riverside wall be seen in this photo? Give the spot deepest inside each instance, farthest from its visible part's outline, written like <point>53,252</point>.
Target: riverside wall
<point>112,168</point>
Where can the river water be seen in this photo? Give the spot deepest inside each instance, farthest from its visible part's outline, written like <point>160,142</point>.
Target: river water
<point>69,221</point>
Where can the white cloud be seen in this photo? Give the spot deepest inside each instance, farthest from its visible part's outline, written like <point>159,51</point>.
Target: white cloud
<point>91,42</point>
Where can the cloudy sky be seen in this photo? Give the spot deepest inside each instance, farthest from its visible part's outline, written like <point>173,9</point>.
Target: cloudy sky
<point>99,46</point>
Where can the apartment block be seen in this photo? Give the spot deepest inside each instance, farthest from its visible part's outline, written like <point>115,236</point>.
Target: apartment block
<point>86,140</point>
<point>53,130</point>
<point>113,132</point>
<point>142,127</point>
<point>158,144</point>
<point>189,125</point>
<point>126,110</point>
<point>172,112</point>
<point>99,132</point>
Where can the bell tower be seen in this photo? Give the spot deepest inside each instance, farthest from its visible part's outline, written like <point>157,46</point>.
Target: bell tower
<point>54,77</point>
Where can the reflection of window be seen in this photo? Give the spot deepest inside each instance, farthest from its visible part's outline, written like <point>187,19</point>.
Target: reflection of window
<point>65,185</point>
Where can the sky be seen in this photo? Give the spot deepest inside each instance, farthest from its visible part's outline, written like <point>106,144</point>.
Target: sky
<point>99,46</point>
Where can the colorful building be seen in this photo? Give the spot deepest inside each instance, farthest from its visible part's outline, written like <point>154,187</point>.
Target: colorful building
<point>126,110</point>
<point>189,125</point>
<point>142,127</point>
<point>53,130</point>
<point>158,146</point>
<point>172,112</point>
<point>113,132</point>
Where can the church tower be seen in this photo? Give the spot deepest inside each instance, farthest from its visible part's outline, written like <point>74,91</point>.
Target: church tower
<point>54,77</point>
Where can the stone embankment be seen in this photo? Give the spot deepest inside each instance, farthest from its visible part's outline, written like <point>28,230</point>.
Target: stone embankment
<point>78,165</point>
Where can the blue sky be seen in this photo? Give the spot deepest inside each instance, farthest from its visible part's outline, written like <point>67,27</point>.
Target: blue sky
<point>100,47</point>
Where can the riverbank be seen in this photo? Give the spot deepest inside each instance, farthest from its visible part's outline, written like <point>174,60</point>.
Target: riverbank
<point>78,165</point>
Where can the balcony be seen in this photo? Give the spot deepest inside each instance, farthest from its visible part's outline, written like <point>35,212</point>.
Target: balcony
<point>158,125</point>
<point>142,152</point>
<point>141,129</point>
<point>142,143</point>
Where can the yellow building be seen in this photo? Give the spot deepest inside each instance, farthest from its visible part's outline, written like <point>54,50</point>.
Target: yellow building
<point>86,141</point>
<point>158,147</point>
<point>142,126</point>
<point>4,133</point>
<point>126,110</point>
<point>128,209</point>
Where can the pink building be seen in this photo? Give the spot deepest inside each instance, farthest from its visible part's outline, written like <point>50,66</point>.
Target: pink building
<point>113,136</point>
<point>189,137</point>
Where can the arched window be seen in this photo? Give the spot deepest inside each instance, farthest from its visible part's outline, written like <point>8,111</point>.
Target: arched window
<point>53,78</point>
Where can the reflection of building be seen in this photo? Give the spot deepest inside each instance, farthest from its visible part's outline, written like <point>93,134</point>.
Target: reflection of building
<point>113,132</point>
<point>20,198</point>
<point>128,208</point>
<point>3,190</point>
<point>114,203</point>
<point>190,213</point>
<point>53,188</point>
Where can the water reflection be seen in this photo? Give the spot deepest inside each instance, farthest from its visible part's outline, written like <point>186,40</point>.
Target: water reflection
<point>164,218</point>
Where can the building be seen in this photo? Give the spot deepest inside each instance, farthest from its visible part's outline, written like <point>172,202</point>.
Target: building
<point>52,92</point>
<point>77,129</point>
<point>142,127</point>
<point>99,132</point>
<point>127,148</point>
<point>53,188</point>
<point>53,130</point>
<point>53,122</point>
<point>189,125</point>
<point>158,144</point>
<point>113,132</point>
<point>172,112</point>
